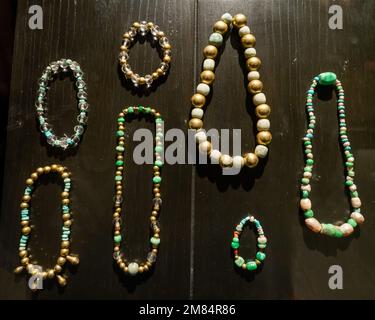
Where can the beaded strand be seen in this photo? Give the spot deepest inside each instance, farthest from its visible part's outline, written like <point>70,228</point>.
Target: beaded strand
<point>135,267</point>
<point>347,228</point>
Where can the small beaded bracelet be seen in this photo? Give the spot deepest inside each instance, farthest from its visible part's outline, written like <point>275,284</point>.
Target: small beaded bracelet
<point>142,29</point>
<point>255,87</point>
<point>65,255</point>
<point>134,267</point>
<point>250,265</point>
<point>344,229</point>
<point>63,65</point>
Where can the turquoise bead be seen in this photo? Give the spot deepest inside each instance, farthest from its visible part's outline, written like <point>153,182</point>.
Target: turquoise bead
<point>156,179</point>
<point>117,238</point>
<point>120,133</point>
<point>158,163</point>
<point>215,39</point>
<point>155,241</point>
<point>352,222</point>
<point>158,149</point>
<point>309,213</point>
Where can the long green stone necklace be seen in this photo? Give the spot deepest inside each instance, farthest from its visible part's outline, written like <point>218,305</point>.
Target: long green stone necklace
<point>347,228</point>
<point>135,267</point>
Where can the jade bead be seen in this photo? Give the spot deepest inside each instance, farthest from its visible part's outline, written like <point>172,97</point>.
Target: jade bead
<point>117,238</point>
<point>352,222</point>
<point>260,256</point>
<point>309,213</point>
<point>155,241</point>
<point>158,163</point>
<point>235,245</point>
<point>327,78</point>
<point>215,39</point>
<point>130,110</point>
<point>251,265</point>
<point>119,163</point>
<point>158,149</point>
<point>239,262</point>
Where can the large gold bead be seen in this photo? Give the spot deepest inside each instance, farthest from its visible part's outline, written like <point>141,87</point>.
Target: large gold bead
<point>61,261</point>
<point>264,137</point>
<point>65,244</point>
<point>26,230</point>
<point>248,40</point>
<point>50,273</point>
<point>239,20</point>
<point>40,170</point>
<point>210,52</point>
<point>198,100</point>
<point>253,63</point>
<point>24,205</point>
<point>34,176</point>
<point>262,111</point>
<point>220,27</point>
<point>255,86</point>
<point>195,123</point>
<point>226,161</point>
<point>29,182</point>
<point>207,76</point>
<point>251,160</point>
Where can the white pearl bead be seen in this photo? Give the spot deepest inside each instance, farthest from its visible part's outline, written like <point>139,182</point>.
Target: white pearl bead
<point>203,88</point>
<point>313,224</point>
<point>133,268</point>
<point>346,229</point>
<point>227,18</point>
<point>244,30</point>
<point>263,124</point>
<point>261,151</point>
<point>200,136</point>
<point>307,175</point>
<point>226,160</point>
<point>250,52</point>
<point>215,156</point>
<point>209,64</point>
<point>253,75</point>
<point>197,113</point>
<point>238,162</point>
<point>259,98</point>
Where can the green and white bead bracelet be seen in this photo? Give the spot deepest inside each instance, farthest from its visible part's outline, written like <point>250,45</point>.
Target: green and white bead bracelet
<point>240,262</point>
<point>24,252</point>
<point>136,267</point>
<point>344,229</point>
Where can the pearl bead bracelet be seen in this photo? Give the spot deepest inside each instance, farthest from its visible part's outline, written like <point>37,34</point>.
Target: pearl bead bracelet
<point>240,262</point>
<point>142,29</point>
<point>134,267</point>
<point>255,87</point>
<point>65,255</point>
<point>347,228</point>
<point>63,65</point>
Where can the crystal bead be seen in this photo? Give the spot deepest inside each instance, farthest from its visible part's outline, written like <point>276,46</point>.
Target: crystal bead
<point>126,43</point>
<point>79,129</point>
<point>148,79</point>
<point>151,257</point>
<point>163,41</point>
<point>75,139</point>
<point>80,84</point>
<point>64,142</point>
<point>63,64</point>
<point>143,28</point>
<point>117,255</point>
<point>82,118</point>
<point>54,66</point>
<point>83,106</point>
<point>154,31</point>
<point>155,226</point>
<point>118,200</point>
<point>164,66</point>
<point>157,202</point>
<point>82,94</point>
<point>135,78</point>
<point>132,32</point>
<point>74,66</point>
<point>77,73</point>
<point>123,55</point>
<point>168,53</point>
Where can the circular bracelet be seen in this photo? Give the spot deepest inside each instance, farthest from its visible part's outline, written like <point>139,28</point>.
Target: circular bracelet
<point>240,262</point>
<point>343,229</point>
<point>255,87</point>
<point>135,267</point>
<point>142,29</point>
<point>65,255</point>
<point>63,65</point>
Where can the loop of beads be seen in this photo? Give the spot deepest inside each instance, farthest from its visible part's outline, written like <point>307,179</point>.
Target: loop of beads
<point>134,267</point>
<point>63,65</point>
<point>65,255</point>
<point>347,228</point>
<point>142,29</point>
<point>255,87</point>
<point>251,264</point>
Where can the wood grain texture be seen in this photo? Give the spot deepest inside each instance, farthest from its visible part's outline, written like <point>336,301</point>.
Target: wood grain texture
<point>200,206</point>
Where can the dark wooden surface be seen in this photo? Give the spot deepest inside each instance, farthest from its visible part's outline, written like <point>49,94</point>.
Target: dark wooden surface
<point>200,207</point>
